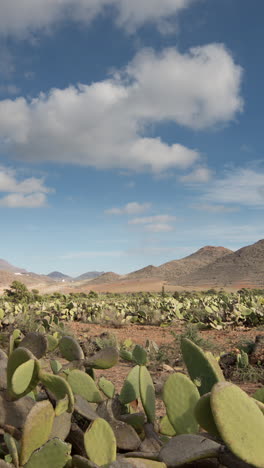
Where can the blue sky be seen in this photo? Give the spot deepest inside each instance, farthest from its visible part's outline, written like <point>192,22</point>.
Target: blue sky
<point>131,133</point>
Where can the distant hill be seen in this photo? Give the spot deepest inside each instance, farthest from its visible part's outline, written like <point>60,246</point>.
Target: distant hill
<point>243,268</point>
<point>4,265</point>
<point>175,269</point>
<point>89,275</point>
<point>58,276</point>
<point>108,277</point>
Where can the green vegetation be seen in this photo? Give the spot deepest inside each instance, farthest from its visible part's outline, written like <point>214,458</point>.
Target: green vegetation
<point>67,419</point>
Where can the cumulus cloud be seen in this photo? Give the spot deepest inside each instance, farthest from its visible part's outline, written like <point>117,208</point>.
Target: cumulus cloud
<point>152,219</point>
<point>30,192</point>
<point>21,17</point>
<point>198,176</point>
<point>241,186</point>
<point>131,208</point>
<point>105,124</point>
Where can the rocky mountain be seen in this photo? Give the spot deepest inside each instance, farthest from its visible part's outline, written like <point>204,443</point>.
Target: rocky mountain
<point>5,266</point>
<point>243,268</point>
<point>58,276</point>
<point>175,269</point>
<point>89,275</point>
<point>108,277</point>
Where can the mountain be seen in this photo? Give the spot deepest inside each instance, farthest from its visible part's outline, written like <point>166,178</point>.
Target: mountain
<point>58,276</point>
<point>4,265</point>
<point>243,268</point>
<point>108,277</point>
<point>175,269</point>
<point>89,275</point>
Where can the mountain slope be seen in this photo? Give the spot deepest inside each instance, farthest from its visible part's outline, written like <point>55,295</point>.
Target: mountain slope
<point>89,275</point>
<point>245,267</point>
<point>58,276</point>
<point>174,270</point>
<point>5,266</point>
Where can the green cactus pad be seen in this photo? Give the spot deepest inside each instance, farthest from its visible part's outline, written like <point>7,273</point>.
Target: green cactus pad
<point>54,453</point>
<point>130,389</point>
<point>13,340</point>
<point>82,384</point>
<point>70,349</point>
<point>25,378</point>
<point>126,355</point>
<point>55,366</point>
<point>260,405</point>
<point>147,393</point>
<point>204,415</point>
<point>61,426</point>
<point>84,408</point>
<point>37,429</point>
<point>136,420</point>
<point>100,442</point>
<point>187,448</point>
<point>52,342</point>
<point>139,355</point>
<point>59,387</point>
<point>180,396</point>
<point>165,427</point>
<point>36,343</point>
<point>202,367</point>
<point>12,448</point>
<point>103,359</point>
<point>239,421</point>
<point>107,387</point>
<point>259,395</point>
<point>18,357</point>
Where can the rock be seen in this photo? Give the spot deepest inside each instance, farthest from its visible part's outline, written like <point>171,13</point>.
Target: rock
<point>257,355</point>
<point>126,437</point>
<point>84,408</point>
<point>14,413</point>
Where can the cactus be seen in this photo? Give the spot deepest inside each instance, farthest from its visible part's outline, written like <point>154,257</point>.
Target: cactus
<point>37,429</point>
<point>12,448</point>
<point>239,421</point>
<point>59,387</point>
<point>55,366</point>
<point>107,387</point>
<point>180,396</point>
<point>165,427</point>
<point>139,355</point>
<point>54,453</point>
<point>25,378</point>
<point>103,359</point>
<point>130,389</point>
<point>147,393</point>
<point>52,342</point>
<point>242,360</point>
<point>82,384</point>
<point>36,343</point>
<point>70,349</point>
<point>13,340</point>
<point>17,357</point>
<point>259,394</point>
<point>100,442</point>
<point>187,448</point>
<point>61,426</point>
<point>204,415</point>
<point>202,366</point>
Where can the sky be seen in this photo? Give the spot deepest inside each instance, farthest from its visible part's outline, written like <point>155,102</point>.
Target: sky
<point>131,132</point>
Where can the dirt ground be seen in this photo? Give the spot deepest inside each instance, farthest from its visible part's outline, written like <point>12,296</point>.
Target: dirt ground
<point>223,341</point>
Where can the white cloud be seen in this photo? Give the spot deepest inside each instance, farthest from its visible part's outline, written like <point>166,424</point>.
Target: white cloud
<point>21,200</point>
<point>216,208</point>
<point>9,89</point>
<point>30,192</point>
<point>242,186</point>
<point>131,208</point>
<point>198,176</point>
<point>153,219</point>
<point>21,17</point>
<point>104,124</point>
<point>159,227</point>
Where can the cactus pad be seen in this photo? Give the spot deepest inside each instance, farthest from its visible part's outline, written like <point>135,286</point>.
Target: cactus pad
<point>147,393</point>
<point>107,387</point>
<point>187,448</point>
<point>259,395</point>
<point>12,448</point>
<point>239,421</point>
<point>59,387</point>
<point>139,355</point>
<point>25,378</point>
<point>130,389</point>
<point>100,442</point>
<point>36,343</point>
<point>103,359</point>
<point>201,366</point>
<point>165,427</point>
<point>19,356</point>
<point>180,396</point>
<point>70,349</point>
<point>37,429</point>
<point>54,453</point>
<point>204,415</point>
<point>82,384</point>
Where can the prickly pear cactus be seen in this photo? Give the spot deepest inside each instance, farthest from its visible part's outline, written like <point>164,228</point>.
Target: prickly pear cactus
<point>139,355</point>
<point>54,453</point>
<point>204,415</point>
<point>107,387</point>
<point>12,448</point>
<point>202,367</point>
<point>103,359</point>
<point>180,396</point>
<point>59,387</point>
<point>165,427</point>
<point>70,349</point>
<point>82,384</point>
<point>22,372</point>
<point>37,429</point>
<point>100,442</point>
<point>36,343</point>
<point>239,421</point>
<point>130,389</point>
<point>147,393</point>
